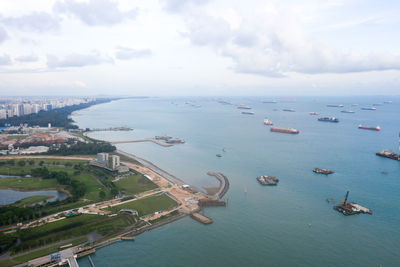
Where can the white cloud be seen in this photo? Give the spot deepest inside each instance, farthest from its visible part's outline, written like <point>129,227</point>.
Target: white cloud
<point>35,21</point>
<point>27,58</point>
<point>5,60</point>
<point>95,12</point>
<point>126,53</point>
<point>77,60</point>
<point>274,42</point>
<point>80,84</point>
<point>3,34</point>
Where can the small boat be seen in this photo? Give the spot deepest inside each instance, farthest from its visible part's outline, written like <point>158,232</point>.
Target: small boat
<point>348,111</point>
<point>224,149</point>
<point>368,108</point>
<point>373,128</point>
<point>270,102</point>
<point>330,200</point>
<point>354,105</point>
<point>314,113</point>
<point>289,110</point>
<point>248,112</point>
<point>218,155</point>
<point>267,122</point>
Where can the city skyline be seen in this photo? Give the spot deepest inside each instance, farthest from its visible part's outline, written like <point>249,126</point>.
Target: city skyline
<point>199,47</point>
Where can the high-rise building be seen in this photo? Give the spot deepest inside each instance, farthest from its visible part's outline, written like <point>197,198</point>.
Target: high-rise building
<point>115,162</point>
<point>102,158</point>
<point>3,114</point>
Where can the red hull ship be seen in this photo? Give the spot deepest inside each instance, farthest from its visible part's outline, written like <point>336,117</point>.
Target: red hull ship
<point>376,128</point>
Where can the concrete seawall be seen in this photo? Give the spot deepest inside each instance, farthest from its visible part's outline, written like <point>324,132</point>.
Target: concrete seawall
<point>223,186</point>
<point>154,168</point>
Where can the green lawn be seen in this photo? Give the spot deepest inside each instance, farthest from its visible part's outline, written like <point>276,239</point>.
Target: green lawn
<point>30,200</point>
<point>28,183</point>
<point>46,251</point>
<point>135,184</point>
<point>93,187</point>
<point>76,226</point>
<point>148,205</point>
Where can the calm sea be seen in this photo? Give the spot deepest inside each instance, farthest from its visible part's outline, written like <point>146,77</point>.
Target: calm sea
<point>288,225</point>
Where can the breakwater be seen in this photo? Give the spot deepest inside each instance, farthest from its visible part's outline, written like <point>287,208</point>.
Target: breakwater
<point>223,186</point>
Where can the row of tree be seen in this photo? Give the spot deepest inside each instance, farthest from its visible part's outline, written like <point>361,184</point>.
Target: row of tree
<point>82,148</point>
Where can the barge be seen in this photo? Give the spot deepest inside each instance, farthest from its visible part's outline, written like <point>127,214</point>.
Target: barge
<point>350,208</point>
<point>323,171</point>
<point>387,154</point>
<point>267,180</point>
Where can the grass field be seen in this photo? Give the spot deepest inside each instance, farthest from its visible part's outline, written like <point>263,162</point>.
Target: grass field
<point>28,183</point>
<point>72,227</point>
<point>148,205</point>
<point>31,200</point>
<point>135,184</point>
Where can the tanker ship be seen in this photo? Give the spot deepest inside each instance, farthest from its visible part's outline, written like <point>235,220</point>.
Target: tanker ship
<point>284,130</point>
<point>374,128</point>
<point>242,106</point>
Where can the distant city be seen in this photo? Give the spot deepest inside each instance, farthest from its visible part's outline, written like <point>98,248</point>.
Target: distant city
<point>15,107</point>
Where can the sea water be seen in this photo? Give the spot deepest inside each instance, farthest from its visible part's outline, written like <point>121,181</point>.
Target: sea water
<point>291,224</point>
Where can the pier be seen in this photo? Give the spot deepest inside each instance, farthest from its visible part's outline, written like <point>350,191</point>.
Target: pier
<point>155,141</point>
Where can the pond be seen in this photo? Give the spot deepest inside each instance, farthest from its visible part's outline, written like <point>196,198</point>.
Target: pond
<point>8,196</point>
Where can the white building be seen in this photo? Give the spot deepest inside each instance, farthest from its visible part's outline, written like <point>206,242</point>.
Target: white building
<point>3,114</point>
<point>115,162</point>
<point>102,158</point>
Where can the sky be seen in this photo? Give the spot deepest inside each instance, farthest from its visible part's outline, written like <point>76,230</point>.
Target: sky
<point>199,47</point>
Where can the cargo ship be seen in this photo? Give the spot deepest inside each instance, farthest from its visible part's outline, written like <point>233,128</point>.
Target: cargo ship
<point>374,128</point>
<point>368,108</point>
<point>270,102</point>
<point>248,112</point>
<point>387,154</point>
<point>348,111</point>
<point>329,119</point>
<point>289,110</point>
<point>334,105</point>
<point>284,130</point>
<point>267,122</point>
<point>242,106</point>
<point>267,180</point>
<point>314,113</point>
<point>351,208</point>
<point>354,105</point>
<point>323,171</point>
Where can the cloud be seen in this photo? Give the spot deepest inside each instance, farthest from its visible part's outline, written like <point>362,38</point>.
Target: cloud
<point>80,84</point>
<point>27,58</point>
<point>95,12</point>
<point>126,53</point>
<point>35,21</point>
<point>5,60</point>
<point>274,43</point>
<point>3,34</point>
<point>77,60</point>
<point>175,6</point>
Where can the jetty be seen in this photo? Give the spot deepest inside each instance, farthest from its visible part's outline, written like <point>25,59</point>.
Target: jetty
<point>201,218</point>
<point>122,128</point>
<point>155,141</point>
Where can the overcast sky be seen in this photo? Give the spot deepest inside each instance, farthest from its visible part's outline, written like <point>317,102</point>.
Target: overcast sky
<point>199,47</point>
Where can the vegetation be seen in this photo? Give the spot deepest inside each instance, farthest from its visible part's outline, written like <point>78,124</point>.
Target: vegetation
<point>82,148</point>
<point>31,200</point>
<point>57,117</point>
<point>135,184</point>
<point>148,205</point>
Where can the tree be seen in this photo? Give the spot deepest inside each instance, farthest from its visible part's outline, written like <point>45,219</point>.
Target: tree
<point>31,162</point>
<point>114,191</point>
<point>102,194</point>
<point>21,163</point>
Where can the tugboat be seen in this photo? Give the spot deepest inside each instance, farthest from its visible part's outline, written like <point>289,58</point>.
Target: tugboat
<point>323,171</point>
<point>267,122</point>
<point>267,180</point>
